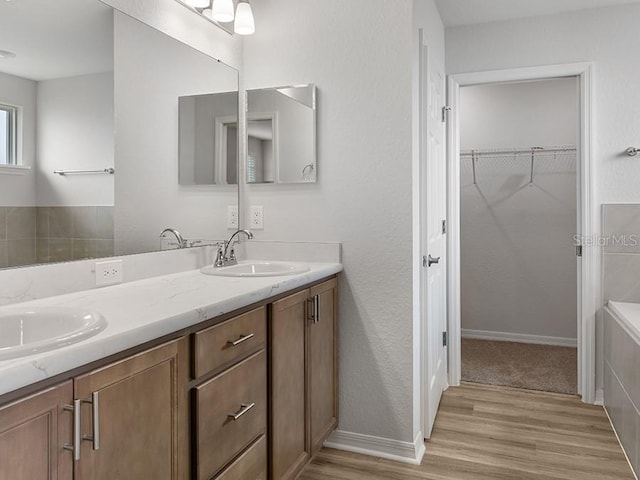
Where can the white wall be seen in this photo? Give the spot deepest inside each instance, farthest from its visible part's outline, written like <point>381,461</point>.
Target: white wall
<point>363,195</point>
<point>178,21</point>
<point>607,37</point>
<point>518,264</point>
<point>522,115</point>
<point>151,71</point>
<point>75,132</point>
<point>19,188</point>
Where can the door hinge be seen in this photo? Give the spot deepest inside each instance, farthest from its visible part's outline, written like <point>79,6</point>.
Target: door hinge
<point>445,110</point>
<point>444,227</point>
<point>578,250</point>
<point>444,339</point>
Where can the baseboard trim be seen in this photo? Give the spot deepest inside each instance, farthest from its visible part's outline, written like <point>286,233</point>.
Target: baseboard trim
<point>599,400</point>
<point>386,448</point>
<point>519,338</point>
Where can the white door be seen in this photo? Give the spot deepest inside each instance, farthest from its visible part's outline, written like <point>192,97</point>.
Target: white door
<point>433,240</point>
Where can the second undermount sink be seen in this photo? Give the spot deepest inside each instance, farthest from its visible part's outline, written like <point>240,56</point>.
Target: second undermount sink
<point>254,268</point>
<point>29,331</point>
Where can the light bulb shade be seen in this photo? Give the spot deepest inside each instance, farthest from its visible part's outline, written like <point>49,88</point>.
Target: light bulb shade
<point>222,11</point>
<point>245,25</point>
<point>197,3</point>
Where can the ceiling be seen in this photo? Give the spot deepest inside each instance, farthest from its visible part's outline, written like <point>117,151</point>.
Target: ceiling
<point>467,12</point>
<point>56,38</point>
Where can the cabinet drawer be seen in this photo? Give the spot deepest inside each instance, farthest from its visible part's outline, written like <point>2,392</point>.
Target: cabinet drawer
<point>251,465</point>
<point>239,391</point>
<point>229,341</point>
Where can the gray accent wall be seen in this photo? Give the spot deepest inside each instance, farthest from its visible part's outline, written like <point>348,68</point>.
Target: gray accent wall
<point>31,235</point>
<point>621,252</point>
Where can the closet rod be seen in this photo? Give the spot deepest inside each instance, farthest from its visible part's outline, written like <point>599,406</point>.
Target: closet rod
<point>495,152</point>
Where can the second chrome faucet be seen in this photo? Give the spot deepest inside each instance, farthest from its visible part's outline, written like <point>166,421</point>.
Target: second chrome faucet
<point>226,254</point>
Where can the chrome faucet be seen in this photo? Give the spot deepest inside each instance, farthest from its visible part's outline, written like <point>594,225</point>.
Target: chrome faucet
<point>182,243</point>
<point>226,254</point>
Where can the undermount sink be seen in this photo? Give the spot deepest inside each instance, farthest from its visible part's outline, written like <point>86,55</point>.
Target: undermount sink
<point>25,332</point>
<point>255,268</point>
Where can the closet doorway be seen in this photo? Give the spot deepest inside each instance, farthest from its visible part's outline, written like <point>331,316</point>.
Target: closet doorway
<point>517,214</point>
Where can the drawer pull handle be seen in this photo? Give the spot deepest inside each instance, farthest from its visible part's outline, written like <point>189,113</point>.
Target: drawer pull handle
<point>245,408</point>
<point>316,308</point>
<point>95,420</point>
<point>75,446</point>
<point>242,339</point>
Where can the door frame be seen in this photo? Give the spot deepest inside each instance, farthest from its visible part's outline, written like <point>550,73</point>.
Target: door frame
<point>589,290</point>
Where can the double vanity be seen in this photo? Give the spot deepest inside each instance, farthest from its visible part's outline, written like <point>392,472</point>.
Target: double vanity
<point>179,376</point>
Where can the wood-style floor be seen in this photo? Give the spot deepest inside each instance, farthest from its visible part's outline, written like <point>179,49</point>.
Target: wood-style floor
<point>486,432</point>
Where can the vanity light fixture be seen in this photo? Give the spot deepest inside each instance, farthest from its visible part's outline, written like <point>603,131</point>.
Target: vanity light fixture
<point>222,11</point>
<point>244,24</point>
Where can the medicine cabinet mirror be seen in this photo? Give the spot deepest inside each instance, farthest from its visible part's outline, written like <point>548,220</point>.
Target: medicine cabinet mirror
<point>281,137</point>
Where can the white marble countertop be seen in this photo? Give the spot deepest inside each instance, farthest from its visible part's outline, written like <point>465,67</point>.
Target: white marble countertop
<point>142,311</point>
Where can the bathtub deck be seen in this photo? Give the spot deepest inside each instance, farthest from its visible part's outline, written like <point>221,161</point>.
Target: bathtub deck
<point>496,433</point>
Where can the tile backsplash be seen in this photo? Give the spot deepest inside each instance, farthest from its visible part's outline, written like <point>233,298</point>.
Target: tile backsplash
<point>621,252</point>
<point>30,235</point>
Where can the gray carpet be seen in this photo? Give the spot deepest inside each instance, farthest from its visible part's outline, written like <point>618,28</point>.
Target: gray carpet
<point>522,365</point>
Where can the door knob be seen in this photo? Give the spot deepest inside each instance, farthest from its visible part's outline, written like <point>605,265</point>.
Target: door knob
<point>428,261</point>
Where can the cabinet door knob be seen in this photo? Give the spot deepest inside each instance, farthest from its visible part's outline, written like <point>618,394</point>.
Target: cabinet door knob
<point>242,339</point>
<point>245,408</point>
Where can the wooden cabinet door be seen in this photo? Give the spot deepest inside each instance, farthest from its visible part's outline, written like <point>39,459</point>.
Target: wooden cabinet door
<point>322,364</point>
<point>288,420</point>
<point>33,433</point>
<point>139,408</point>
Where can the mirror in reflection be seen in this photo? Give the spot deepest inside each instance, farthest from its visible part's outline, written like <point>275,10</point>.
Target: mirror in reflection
<point>209,139</point>
<point>281,137</point>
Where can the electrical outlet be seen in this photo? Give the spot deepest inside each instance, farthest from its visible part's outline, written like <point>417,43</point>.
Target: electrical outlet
<point>256,218</point>
<point>109,273</point>
<point>232,217</point>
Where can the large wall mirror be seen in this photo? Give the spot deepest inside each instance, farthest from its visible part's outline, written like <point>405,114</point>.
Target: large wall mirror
<point>281,137</point>
<point>92,94</point>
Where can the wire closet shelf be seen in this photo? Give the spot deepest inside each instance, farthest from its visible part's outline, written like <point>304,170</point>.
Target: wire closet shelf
<point>567,152</point>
